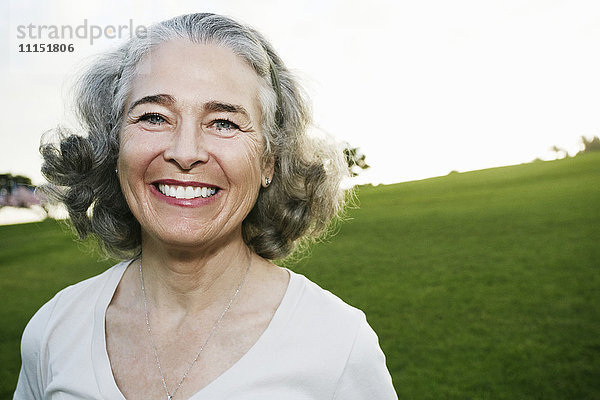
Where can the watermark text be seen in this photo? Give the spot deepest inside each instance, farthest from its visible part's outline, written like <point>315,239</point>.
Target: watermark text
<point>87,31</point>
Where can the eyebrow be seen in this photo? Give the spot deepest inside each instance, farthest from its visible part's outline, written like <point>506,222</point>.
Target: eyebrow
<point>211,106</point>
<point>217,106</point>
<point>162,99</point>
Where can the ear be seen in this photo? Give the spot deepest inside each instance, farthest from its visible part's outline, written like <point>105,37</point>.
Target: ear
<point>268,170</point>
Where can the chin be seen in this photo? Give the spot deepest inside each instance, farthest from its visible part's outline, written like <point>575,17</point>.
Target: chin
<point>188,234</point>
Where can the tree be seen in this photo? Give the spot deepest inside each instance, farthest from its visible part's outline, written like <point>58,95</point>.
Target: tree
<point>17,191</point>
<point>355,159</point>
<point>22,180</point>
<point>590,145</point>
<point>560,153</point>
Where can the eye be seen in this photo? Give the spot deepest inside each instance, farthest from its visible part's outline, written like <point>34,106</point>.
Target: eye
<point>153,119</point>
<point>224,125</point>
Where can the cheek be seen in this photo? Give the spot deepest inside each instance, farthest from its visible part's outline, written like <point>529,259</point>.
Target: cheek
<point>243,159</point>
<point>137,152</point>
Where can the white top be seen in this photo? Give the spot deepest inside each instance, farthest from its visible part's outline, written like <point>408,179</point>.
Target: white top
<point>315,347</point>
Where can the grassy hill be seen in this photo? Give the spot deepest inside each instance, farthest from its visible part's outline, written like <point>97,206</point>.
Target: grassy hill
<point>481,285</point>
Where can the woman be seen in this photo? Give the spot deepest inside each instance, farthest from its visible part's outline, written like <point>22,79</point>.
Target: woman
<point>196,167</point>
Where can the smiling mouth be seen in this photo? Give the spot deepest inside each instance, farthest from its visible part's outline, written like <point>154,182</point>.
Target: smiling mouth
<point>186,192</point>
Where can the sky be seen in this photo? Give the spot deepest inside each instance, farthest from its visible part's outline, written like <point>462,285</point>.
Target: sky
<point>421,87</point>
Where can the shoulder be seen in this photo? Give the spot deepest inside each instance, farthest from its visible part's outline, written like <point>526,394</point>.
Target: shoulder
<point>322,302</point>
<point>56,327</point>
<point>320,319</point>
<point>60,320</point>
<point>78,295</point>
<point>342,336</point>
<point>365,373</point>
<point>312,317</point>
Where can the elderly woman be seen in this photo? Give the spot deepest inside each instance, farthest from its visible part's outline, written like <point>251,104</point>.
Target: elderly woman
<point>196,168</point>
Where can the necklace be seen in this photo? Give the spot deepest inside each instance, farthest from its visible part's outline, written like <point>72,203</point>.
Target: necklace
<point>212,331</point>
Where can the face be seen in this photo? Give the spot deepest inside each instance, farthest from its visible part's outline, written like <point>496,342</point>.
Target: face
<point>190,148</point>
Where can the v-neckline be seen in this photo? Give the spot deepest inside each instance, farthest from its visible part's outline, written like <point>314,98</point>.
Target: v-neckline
<point>107,385</point>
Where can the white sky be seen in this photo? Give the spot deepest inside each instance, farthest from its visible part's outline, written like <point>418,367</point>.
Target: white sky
<point>422,87</point>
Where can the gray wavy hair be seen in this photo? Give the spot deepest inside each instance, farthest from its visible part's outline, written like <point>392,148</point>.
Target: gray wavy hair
<point>304,196</point>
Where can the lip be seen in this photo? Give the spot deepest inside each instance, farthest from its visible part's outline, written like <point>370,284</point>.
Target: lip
<point>184,183</point>
<point>197,202</point>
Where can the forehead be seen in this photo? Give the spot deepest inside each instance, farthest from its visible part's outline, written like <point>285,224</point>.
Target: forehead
<point>198,73</point>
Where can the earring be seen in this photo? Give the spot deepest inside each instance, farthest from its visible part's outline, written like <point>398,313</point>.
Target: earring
<point>267,181</point>
<point>116,171</point>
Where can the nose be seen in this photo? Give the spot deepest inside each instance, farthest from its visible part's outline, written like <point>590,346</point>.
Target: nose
<point>187,147</point>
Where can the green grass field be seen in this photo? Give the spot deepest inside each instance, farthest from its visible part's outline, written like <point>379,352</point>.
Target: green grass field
<point>481,285</point>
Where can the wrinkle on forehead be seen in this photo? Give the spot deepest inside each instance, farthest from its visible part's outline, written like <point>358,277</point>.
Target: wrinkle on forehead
<point>200,73</point>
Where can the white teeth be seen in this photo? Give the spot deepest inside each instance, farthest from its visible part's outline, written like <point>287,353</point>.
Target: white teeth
<point>186,192</point>
<point>172,191</point>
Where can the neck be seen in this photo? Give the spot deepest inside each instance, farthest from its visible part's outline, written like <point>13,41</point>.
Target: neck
<point>182,281</point>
